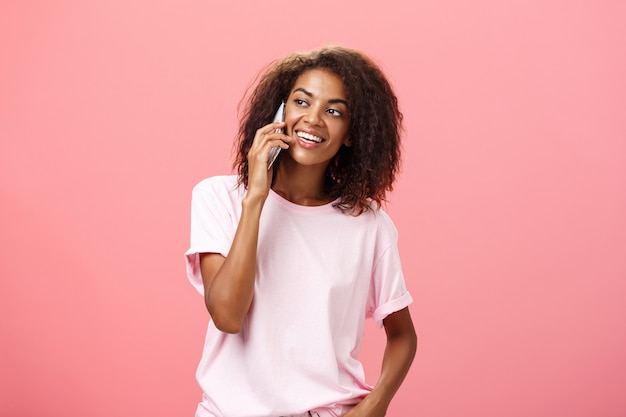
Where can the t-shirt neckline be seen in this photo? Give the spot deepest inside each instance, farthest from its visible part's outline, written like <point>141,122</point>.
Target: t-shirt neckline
<point>297,207</point>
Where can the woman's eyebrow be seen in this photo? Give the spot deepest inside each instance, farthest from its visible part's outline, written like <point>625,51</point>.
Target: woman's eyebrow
<point>331,101</point>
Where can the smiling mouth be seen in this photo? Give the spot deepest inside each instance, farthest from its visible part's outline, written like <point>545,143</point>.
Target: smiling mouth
<point>309,138</point>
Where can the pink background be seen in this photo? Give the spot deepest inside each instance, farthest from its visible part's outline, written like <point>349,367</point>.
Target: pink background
<point>511,204</point>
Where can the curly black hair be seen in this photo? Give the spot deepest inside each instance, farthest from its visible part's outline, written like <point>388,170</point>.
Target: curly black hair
<point>361,173</point>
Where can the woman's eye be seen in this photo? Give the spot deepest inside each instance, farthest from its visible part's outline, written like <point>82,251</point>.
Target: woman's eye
<point>300,102</point>
<point>334,112</point>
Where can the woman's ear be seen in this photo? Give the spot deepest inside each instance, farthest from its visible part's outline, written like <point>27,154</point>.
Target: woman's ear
<point>347,142</point>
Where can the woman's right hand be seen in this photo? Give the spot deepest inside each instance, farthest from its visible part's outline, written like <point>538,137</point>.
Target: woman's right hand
<point>259,177</point>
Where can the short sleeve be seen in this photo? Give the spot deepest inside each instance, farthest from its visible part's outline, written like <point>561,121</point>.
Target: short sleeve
<point>388,292</point>
<point>213,224</point>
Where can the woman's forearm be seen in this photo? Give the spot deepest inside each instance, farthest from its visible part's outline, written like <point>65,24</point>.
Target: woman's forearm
<point>399,353</point>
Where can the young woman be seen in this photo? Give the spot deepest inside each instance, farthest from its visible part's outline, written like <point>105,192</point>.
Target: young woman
<point>292,259</point>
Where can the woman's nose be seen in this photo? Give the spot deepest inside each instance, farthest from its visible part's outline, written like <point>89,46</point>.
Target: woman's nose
<point>312,116</point>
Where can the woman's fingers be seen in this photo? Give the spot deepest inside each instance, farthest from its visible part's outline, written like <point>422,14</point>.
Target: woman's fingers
<point>266,138</point>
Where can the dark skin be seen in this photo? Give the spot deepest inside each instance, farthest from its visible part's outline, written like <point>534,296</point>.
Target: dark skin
<point>316,126</point>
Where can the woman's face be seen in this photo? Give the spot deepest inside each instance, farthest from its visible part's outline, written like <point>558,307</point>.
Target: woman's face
<point>317,117</point>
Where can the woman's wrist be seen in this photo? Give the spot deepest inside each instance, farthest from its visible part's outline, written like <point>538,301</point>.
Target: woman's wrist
<point>253,199</point>
<point>380,396</point>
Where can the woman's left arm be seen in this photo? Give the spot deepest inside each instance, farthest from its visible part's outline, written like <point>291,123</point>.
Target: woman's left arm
<point>399,354</point>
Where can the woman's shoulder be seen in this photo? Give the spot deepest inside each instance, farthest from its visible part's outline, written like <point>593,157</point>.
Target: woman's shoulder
<point>218,182</point>
<point>382,220</point>
<point>220,185</point>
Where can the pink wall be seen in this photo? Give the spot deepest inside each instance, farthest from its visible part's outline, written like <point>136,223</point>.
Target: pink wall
<point>510,206</point>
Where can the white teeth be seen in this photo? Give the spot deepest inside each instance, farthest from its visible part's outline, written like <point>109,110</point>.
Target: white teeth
<point>309,137</point>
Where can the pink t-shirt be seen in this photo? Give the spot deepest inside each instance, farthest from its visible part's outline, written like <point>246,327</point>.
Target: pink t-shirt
<point>320,273</point>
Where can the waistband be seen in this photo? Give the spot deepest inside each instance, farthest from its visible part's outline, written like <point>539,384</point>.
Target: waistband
<point>336,410</point>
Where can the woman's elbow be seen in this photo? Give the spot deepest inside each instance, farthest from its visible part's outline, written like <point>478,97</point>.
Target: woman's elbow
<point>413,341</point>
<point>224,320</point>
<point>227,326</point>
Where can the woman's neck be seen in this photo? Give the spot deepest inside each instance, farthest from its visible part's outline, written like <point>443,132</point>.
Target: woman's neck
<point>303,185</point>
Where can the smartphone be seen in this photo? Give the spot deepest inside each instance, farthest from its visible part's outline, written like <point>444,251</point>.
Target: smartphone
<point>279,117</point>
